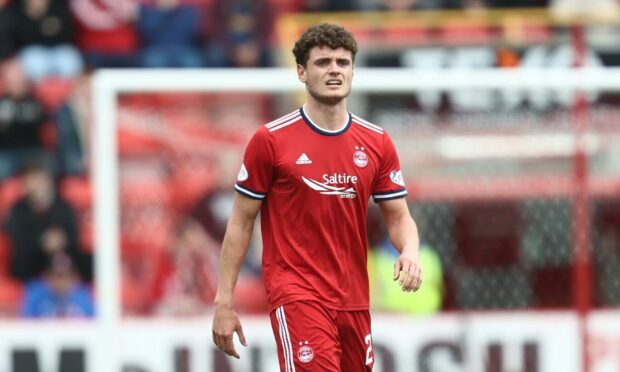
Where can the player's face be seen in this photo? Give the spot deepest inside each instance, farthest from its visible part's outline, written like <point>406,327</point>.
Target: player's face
<point>327,74</point>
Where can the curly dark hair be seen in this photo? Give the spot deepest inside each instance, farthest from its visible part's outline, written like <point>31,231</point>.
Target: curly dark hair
<point>324,34</point>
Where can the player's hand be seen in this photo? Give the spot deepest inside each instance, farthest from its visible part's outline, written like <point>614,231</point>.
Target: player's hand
<point>225,323</point>
<point>407,271</point>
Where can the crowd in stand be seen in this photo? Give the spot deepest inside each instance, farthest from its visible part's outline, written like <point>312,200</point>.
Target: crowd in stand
<point>47,50</point>
<point>63,37</point>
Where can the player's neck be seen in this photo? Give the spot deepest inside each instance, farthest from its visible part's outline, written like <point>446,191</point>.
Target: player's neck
<point>331,118</point>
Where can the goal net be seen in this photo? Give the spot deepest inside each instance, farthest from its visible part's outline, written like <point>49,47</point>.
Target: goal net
<point>513,179</point>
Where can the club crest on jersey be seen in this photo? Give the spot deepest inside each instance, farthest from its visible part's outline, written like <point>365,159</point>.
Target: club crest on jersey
<point>359,157</point>
<point>305,354</point>
<point>397,177</point>
<point>243,174</point>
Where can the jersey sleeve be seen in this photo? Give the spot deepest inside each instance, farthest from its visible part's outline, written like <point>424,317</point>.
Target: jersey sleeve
<point>256,173</point>
<point>390,183</point>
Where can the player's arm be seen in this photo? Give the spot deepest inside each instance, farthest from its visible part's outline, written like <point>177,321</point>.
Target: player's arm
<point>403,233</point>
<point>234,250</point>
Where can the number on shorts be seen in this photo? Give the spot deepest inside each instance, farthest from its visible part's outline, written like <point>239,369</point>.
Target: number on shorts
<point>369,358</point>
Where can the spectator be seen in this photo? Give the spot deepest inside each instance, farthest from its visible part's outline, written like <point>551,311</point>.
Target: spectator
<point>73,122</point>
<point>7,24</point>
<point>385,294</point>
<point>330,5</point>
<point>21,119</point>
<point>178,45</point>
<point>42,224</point>
<point>106,32</point>
<point>44,36</point>
<point>240,33</point>
<point>58,293</point>
<point>400,5</point>
<point>214,207</point>
<point>518,3</point>
<point>212,211</point>
<point>186,275</point>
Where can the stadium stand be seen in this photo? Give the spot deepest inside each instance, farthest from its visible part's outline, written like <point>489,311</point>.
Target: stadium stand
<point>166,168</point>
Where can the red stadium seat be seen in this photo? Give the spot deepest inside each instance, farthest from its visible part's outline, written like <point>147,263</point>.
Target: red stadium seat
<point>138,266</point>
<point>146,214</point>
<point>133,143</point>
<point>191,180</point>
<point>458,32</point>
<point>151,233</point>
<point>144,192</point>
<point>5,248</point>
<point>10,191</point>
<point>77,191</point>
<point>10,297</point>
<point>287,6</point>
<point>133,296</point>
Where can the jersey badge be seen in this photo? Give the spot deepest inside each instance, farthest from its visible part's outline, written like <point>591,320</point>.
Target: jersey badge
<point>397,177</point>
<point>305,354</point>
<point>243,174</point>
<point>359,157</point>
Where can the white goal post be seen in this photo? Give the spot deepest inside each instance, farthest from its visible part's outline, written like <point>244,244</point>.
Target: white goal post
<point>108,84</point>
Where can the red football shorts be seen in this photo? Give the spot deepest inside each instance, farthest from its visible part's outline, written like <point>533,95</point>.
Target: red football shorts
<point>311,337</point>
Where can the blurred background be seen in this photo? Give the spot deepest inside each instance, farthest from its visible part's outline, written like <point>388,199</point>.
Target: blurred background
<point>515,192</point>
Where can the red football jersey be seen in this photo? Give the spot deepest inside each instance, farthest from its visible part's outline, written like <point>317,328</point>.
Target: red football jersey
<point>315,186</point>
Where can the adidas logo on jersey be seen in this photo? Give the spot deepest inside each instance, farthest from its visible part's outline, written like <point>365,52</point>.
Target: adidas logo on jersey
<point>303,159</point>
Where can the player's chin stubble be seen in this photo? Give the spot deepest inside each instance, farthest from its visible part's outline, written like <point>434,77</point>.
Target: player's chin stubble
<point>328,100</point>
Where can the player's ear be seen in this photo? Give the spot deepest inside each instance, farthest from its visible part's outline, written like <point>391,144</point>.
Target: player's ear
<point>301,73</point>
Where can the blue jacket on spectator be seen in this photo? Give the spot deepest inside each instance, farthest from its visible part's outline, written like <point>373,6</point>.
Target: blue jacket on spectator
<point>173,26</point>
<point>41,301</point>
<point>169,34</point>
